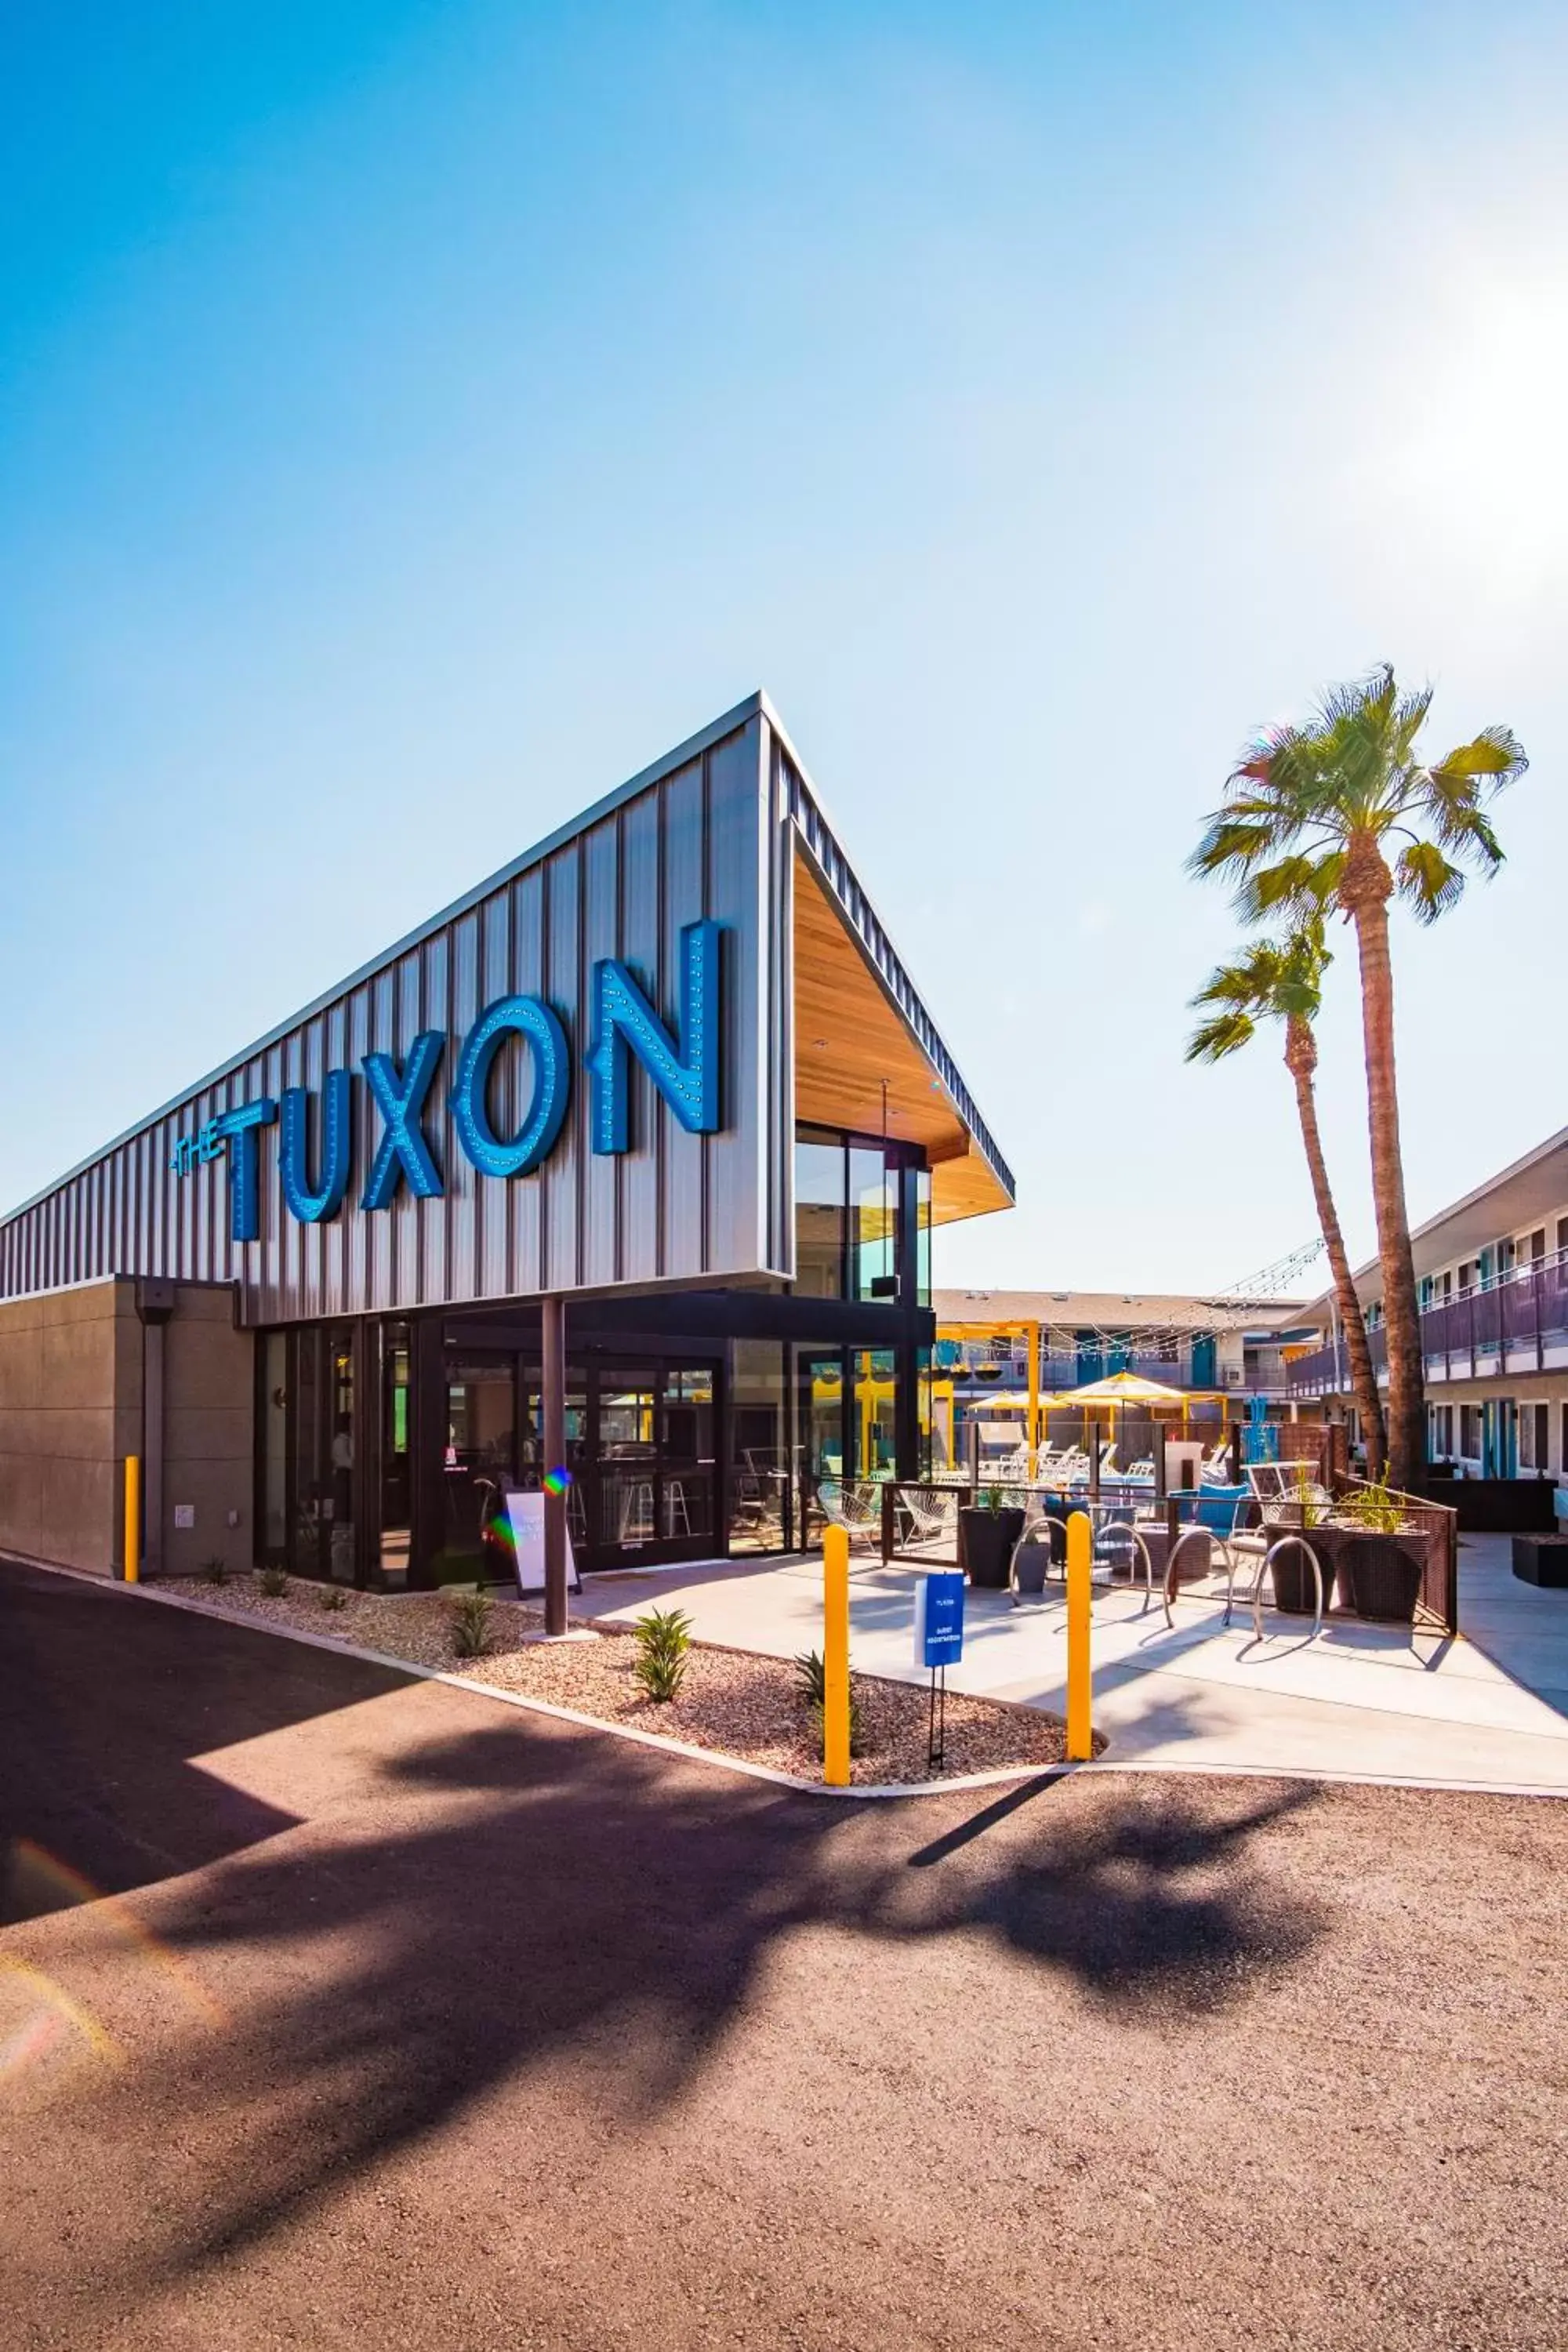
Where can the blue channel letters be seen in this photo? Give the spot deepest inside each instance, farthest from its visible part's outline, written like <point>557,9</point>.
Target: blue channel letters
<point>683,1066</point>
<point>242,1128</point>
<point>311,1208</point>
<point>531,1018</point>
<point>400,1097</point>
<point>625,1023</point>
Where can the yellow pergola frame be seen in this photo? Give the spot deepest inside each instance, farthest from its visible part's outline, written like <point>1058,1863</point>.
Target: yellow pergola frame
<point>1031,1332</point>
<point>1031,1335</point>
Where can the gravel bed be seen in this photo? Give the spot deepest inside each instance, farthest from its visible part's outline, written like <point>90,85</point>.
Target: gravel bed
<point>732,1701</point>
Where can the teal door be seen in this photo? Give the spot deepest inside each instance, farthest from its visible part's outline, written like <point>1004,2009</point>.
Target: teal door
<point>1500,1438</point>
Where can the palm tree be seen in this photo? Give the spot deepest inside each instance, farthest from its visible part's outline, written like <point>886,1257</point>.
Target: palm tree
<point>1283,980</point>
<point>1312,819</point>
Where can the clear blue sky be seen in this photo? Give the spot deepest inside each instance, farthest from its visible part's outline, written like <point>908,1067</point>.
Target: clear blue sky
<point>415,417</point>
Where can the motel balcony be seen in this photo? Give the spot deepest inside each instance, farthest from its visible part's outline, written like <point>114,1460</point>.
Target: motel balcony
<point>1061,1372</point>
<point>1517,1323</point>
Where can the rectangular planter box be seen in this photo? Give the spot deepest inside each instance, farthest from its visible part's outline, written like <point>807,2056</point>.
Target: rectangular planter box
<point>1540,1560</point>
<point>1378,1576</point>
<point>1502,1506</point>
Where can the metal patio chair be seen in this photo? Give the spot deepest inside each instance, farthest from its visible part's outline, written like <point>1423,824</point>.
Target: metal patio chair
<point>1255,1546</point>
<point>856,1507</point>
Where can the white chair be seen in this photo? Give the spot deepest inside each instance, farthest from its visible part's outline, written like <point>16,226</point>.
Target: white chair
<point>933,1514</point>
<point>855,1507</point>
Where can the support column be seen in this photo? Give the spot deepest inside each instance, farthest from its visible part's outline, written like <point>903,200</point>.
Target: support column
<point>154,1305</point>
<point>552,1383</point>
<point>1033,1337</point>
<point>426,1445</point>
<point>365,1478</point>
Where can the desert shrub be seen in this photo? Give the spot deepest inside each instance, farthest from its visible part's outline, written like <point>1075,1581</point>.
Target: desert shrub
<point>272,1580</point>
<point>663,1639</point>
<point>333,1596</point>
<point>214,1570</point>
<point>468,1616</point>
<point>811,1679</point>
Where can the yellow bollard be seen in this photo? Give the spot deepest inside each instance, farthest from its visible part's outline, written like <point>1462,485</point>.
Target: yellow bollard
<point>133,1519</point>
<point>835,1657</point>
<point>1080,1547</point>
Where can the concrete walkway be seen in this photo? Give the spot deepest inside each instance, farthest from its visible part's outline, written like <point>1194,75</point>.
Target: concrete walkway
<point>1488,1708</point>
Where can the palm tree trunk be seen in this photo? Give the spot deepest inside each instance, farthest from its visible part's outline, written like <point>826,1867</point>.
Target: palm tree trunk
<point>1407,1410</point>
<point>1301,1060</point>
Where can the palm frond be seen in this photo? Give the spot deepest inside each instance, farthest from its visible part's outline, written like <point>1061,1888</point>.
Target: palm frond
<point>1301,885</point>
<point>1426,881</point>
<point>1230,844</point>
<point>1224,1035</point>
<point>1495,754</point>
<point>1301,796</point>
<point>1275,980</point>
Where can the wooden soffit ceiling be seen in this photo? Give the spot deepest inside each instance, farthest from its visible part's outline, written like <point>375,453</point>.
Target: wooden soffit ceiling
<point>850,1039</point>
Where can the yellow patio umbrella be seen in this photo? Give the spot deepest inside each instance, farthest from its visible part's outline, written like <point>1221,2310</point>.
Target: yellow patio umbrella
<point>1124,1388</point>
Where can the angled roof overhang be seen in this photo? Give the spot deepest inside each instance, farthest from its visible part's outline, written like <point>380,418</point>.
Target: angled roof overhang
<point>867,1056</point>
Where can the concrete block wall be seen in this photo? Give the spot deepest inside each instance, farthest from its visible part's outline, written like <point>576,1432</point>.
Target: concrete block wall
<point>209,1403</point>
<point>72,1391</point>
<point>70,1411</point>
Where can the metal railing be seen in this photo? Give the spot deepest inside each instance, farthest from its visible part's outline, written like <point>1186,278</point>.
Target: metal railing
<point>919,1527</point>
<point>1508,1326</point>
<point>1071,1370</point>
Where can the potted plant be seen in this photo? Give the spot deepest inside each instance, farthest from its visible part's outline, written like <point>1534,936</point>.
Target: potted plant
<point>1380,1551</point>
<point>1385,1558</point>
<point>1295,1589</point>
<point>1030,1563</point>
<point>988,1532</point>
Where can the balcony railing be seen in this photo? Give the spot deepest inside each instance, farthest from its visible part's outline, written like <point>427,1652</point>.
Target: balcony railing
<point>1068,1370</point>
<point>1512,1326</point>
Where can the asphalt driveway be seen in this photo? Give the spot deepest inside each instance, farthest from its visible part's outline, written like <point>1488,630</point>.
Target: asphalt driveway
<point>410,2019</point>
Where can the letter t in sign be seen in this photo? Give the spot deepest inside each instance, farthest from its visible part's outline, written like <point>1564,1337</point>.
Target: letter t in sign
<point>240,1125</point>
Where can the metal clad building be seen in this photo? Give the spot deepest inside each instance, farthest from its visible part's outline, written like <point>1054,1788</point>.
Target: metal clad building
<point>719,1018</point>
<point>698,835</point>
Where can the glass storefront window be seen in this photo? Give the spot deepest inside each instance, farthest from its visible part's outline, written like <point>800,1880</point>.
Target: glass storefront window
<point>925,1413</point>
<point>531,1441</point>
<point>308,1439</point>
<point>850,1194</point>
<point>480,1455</point>
<point>819,1215</point>
<point>759,1447</point>
<point>396,1488</point>
<point>875,1429</point>
<point>874,1222</point>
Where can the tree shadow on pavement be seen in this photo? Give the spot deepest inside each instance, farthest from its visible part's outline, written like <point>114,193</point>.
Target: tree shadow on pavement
<point>562,1896</point>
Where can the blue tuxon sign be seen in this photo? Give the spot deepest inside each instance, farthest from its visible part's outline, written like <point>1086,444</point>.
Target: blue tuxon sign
<point>683,1066</point>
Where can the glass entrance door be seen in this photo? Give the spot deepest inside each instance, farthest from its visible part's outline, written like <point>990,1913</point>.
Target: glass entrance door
<point>479,1459</point>
<point>820,1434</point>
<point>653,1465</point>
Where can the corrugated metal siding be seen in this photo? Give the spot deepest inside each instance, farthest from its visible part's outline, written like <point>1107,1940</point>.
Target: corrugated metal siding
<point>709,831</point>
<point>694,842</point>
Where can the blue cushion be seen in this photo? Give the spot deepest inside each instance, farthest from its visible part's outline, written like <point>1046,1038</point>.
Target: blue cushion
<point>1216,1507</point>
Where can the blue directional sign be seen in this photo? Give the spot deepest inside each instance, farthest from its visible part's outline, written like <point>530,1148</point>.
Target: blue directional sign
<point>939,1619</point>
